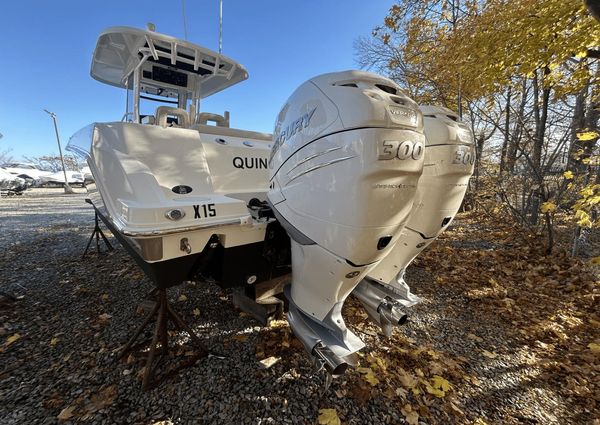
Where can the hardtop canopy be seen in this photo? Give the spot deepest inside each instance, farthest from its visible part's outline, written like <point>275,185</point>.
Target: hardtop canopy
<point>200,71</point>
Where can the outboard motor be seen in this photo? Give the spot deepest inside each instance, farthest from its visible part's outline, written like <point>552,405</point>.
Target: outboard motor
<point>449,159</point>
<point>347,156</point>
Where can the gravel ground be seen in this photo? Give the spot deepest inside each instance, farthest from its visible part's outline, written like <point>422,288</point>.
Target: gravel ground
<point>72,315</point>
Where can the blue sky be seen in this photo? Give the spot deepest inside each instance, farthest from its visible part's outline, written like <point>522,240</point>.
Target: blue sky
<point>46,48</point>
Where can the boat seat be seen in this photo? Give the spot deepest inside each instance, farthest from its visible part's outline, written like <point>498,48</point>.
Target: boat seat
<point>162,112</point>
<point>232,132</point>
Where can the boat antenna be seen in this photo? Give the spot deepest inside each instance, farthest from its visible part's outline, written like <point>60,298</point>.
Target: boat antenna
<point>220,26</point>
<point>184,19</point>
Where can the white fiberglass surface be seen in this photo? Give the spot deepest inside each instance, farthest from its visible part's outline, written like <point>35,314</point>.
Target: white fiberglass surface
<point>145,171</point>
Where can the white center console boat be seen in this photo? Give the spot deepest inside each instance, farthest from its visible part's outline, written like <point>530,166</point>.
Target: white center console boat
<point>344,195</point>
<point>172,188</point>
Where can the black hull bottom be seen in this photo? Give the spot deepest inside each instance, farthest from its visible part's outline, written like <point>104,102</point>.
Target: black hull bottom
<point>229,267</point>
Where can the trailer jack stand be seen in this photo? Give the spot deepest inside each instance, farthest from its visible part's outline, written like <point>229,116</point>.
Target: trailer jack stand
<point>97,233</point>
<point>164,313</point>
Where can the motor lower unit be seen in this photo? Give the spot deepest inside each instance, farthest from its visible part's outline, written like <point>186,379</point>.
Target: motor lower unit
<point>449,159</point>
<point>348,153</point>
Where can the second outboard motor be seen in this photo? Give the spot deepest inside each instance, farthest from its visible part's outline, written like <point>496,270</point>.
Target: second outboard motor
<point>449,159</point>
<point>347,156</point>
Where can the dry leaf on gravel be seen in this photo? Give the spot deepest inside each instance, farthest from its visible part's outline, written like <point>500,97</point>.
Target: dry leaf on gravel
<point>182,297</point>
<point>104,398</point>
<point>406,379</point>
<point>474,337</point>
<point>269,362</point>
<point>368,375</point>
<point>438,386</point>
<point>328,417</point>
<point>411,417</point>
<point>11,339</point>
<point>66,413</point>
<point>241,338</point>
<point>489,355</point>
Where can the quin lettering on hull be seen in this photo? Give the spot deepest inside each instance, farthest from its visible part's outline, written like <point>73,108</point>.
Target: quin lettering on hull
<point>249,163</point>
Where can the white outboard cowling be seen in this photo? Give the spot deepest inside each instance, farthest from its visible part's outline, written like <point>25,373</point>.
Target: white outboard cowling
<point>347,156</point>
<point>449,159</point>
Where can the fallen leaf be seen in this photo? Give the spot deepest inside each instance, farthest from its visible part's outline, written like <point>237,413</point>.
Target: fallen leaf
<point>241,337</point>
<point>594,347</point>
<point>438,387</point>
<point>275,324</point>
<point>475,337</point>
<point>406,379</point>
<point>269,362</point>
<point>361,392</point>
<point>489,355</point>
<point>12,339</point>
<point>401,392</point>
<point>66,413</point>
<point>196,312</point>
<point>328,417</point>
<point>104,317</point>
<point>368,375</point>
<point>412,417</point>
<point>441,383</point>
<point>103,398</point>
<point>456,409</point>
<point>473,380</point>
<point>182,297</point>
<point>104,297</point>
<point>434,391</point>
<point>433,354</point>
<point>54,341</point>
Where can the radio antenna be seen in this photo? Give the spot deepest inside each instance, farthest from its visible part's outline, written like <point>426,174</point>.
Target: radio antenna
<point>184,19</point>
<point>220,26</point>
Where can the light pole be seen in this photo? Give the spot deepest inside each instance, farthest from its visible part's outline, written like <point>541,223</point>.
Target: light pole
<point>68,188</point>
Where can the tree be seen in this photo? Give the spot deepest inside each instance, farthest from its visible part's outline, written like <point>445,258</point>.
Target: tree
<point>53,163</point>
<point>526,72</point>
<point>5,157</point>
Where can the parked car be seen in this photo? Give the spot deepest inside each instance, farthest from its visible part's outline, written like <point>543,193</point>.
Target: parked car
<point>74,178</point>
